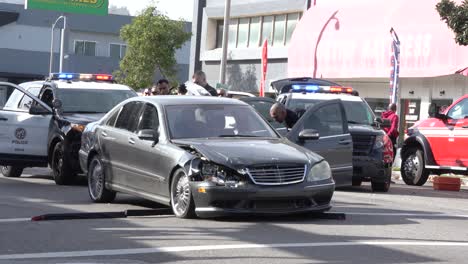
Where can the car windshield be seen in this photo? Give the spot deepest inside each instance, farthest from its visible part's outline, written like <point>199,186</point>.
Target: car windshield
<point>216,121</point>
<point>357,112</point>
<point>91,100</point>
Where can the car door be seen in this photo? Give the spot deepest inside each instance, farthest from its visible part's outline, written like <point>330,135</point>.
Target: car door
<point>116,141</point>
<point>457,135</point>
<point>23,131</point>
<point>263,106</point>
<point>334,143</point>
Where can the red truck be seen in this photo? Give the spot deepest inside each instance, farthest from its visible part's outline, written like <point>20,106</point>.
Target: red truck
<point>437,145</point>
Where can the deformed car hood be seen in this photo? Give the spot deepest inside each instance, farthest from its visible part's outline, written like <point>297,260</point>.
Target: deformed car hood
<point>238,153</point>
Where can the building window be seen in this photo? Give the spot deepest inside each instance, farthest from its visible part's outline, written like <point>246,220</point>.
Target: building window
<point>251,32</point>
<point>117,51</point>
<point>86,48</point>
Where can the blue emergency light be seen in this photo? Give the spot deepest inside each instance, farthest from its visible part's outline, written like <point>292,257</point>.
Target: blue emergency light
<point>310,88</point>
<point>306,88</point>
<point>81,77</point>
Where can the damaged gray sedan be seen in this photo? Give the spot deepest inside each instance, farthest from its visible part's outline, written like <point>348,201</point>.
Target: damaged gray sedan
<point>203,156</point>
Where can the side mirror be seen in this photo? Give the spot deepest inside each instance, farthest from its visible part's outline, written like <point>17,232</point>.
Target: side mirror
<point>309,134</point>
<point>36,109</point>
<point>149,135</point>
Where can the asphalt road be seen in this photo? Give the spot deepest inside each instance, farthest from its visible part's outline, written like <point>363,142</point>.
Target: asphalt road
<point>406,225</point>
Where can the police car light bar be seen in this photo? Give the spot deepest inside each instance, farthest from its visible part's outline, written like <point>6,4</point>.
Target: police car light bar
<point>309,88</point>
<point>81,77</point>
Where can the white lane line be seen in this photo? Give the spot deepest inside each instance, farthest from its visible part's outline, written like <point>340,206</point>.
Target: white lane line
<point>405,214</point>
<point>13,220</point>
<point>136,251</point>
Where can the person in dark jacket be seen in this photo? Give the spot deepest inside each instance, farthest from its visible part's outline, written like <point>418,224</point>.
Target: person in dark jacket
<point>392,131</point>
<point>200,78</point>
<point>281,114</point>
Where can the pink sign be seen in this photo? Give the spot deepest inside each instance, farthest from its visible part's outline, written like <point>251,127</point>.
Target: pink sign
<point>351,39</point>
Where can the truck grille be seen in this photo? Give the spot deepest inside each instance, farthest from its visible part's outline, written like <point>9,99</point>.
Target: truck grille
<point>362,144</point>
<point>277,174</point>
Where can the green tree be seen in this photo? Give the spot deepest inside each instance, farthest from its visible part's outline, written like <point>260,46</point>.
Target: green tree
<point>152,40</point>
<point>456,17</point>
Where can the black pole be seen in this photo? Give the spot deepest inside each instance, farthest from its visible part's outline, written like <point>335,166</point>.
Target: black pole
<point>309,3</point>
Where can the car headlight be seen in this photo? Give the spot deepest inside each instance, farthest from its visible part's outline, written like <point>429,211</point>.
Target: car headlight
<point>219,175</point>
<point>319,172</point>
<point>379,142</point>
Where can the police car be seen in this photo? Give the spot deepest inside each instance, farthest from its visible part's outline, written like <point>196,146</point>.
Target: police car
<point>369,150</point>
<point>42,121</point>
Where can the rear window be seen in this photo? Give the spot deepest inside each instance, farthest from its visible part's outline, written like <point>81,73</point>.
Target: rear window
<point>91,100</point>
<point>357,112</point>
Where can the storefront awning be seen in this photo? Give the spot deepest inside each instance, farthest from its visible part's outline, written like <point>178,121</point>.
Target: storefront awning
<point>351,39</point>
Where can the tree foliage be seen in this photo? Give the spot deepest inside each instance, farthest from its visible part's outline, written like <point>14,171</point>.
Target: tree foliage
<point>152,40</point>
<point>456,17</point>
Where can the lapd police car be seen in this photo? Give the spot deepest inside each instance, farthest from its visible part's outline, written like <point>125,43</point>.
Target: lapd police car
<point>42,121</point>
<point>371,149</point>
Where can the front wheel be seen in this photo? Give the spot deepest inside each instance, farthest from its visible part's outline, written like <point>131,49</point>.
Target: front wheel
<point>182,202</point>
<point>12,171</point>
<point>63,173</point>
<point>413,169</point>
<point>97,183</point>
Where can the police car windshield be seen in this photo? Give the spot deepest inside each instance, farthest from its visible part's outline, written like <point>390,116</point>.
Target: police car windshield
<point>357,112</point>
<point>91,100</point>
<point>216,121</point>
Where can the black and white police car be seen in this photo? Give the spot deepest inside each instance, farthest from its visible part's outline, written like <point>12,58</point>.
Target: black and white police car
<point>42,121</point>
<point>371,148</point>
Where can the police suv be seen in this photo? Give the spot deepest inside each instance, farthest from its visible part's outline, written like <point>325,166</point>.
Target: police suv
<point>372,153</point>
<point>42,121</point>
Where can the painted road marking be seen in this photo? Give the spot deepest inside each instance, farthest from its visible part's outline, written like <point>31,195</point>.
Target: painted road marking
<point>137,251</point>
<point>13,220</point>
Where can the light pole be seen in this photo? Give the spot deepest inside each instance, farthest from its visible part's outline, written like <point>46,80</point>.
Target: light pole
<point>227,15</point>
<point>62,43</point>
<point>337,27</point>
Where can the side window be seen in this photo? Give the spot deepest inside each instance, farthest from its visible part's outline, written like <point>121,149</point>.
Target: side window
<point>47,97</point>
<point>263,108</point>
<point>327,120</point>
<point>460,110</point>
<point>111,121</point>
<point>149,118</point>
<point>128,118</point>
<point>27,101</point>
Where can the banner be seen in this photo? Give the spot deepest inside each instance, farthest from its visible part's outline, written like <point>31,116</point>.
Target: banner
<point>395,68</point>
<point>264,67</point>
<point>90,7</point>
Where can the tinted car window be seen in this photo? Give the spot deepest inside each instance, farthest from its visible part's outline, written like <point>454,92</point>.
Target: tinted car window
<point>129,116</point>
<point>327,120</point>
<point>356,111</point>
<point>459,111</point>
<point>264,109</point>
<point>149,118</point>
<point>91,101</point>
<point>208,121</point>
<point>113,118</point>
<point>26,102</point>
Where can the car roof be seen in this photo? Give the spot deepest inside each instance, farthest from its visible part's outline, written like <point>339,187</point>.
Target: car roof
<point>79,85</point>
<point>326,96</point>
<point>188,100</point>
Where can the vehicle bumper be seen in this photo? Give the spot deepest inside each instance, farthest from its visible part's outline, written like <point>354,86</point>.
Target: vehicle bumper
<point>368,169</point>
<point>217,201</point>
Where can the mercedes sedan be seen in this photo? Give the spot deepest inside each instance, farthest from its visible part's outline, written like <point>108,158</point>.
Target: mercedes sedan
<point>203,156</point>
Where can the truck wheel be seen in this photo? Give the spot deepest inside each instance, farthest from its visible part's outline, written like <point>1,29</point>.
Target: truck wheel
<point>11,171</point>
<point>380,186</point>
<point>412,168</point>
<point>63,173</point>
<point>97,183</point>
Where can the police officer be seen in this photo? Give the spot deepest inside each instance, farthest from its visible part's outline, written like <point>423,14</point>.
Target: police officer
<point>281,114</point>
<point>200,78</point>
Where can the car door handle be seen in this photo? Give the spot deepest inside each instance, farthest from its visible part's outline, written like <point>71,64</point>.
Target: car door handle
<point>345,142</point>
<point>131,141</point>
<point>3,119</point>
<point>104,134</point>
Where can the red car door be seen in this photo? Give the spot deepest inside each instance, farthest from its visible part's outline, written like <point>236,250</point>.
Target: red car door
<point>458,134</point>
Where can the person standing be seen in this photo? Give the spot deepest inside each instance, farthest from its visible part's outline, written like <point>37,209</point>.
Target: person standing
<point>163,87</point>
<point>182,90</point>
<point>199,78</point>
<point>392,131</point>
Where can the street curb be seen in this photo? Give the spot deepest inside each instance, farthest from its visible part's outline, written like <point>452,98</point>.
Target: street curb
<point>396,175</point>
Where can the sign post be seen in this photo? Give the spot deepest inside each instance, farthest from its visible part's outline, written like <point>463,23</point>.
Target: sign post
<point>264,67</point>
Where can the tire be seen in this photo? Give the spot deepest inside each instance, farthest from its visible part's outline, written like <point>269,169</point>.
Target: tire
<point>12,172</point>
<point>380,186</point>
<point>412,168</point>
<point>357,181</point>
<point>182,203</point>
<point>97,183</point>
<point>62,171</point>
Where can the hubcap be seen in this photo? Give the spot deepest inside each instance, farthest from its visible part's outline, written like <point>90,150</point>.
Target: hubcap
<point>4,169</point>
<point>96,180</point>
<point>411,168</point>
<point>181,195</point>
